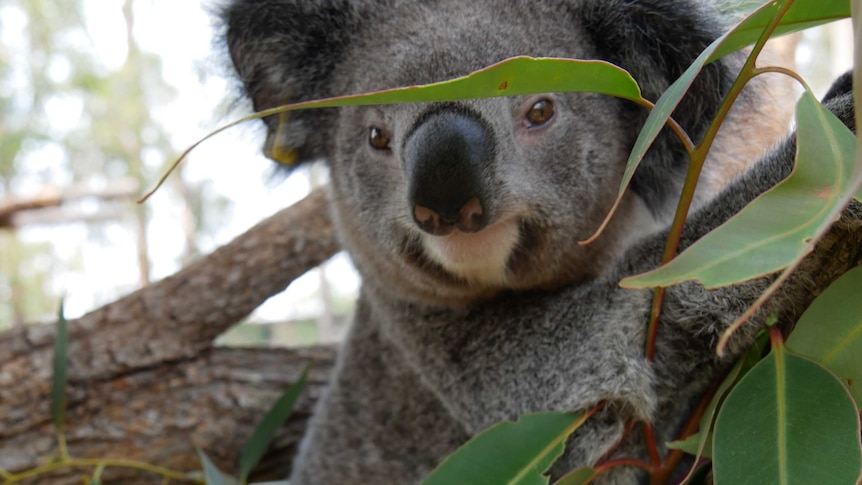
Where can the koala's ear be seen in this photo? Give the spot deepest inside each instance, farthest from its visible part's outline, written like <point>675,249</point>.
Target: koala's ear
<point>285,51</point>
<point>656,41</point>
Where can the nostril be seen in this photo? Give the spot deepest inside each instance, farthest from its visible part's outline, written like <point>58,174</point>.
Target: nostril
<point>472,216</point>
<point>424,215</point>
<point>429,221</point>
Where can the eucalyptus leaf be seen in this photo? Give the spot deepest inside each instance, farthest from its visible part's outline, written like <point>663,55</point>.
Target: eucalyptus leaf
<point>700,443</point>
<point>830,331</point>
<point>739,7</point>
<point>260,439</point>
<point>801,14</point>
<point>780,227</point>
<point>692,445</point>
<point>510,453</point>
<point>58,381</point>
<point>511,77</point>
<point>515,76</point>
<point>789,421</point>
<point>579,476</point>
<point>212,475</point>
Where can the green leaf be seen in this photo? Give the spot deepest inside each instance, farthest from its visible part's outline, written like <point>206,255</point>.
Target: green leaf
<point>578,476</point>
<point>830,331</point>
<point>265,430</point>
<point>739,7</point>
<point>692,445</point>
<point>212,475</point>
<point>700,443</point>
<point>788,421</point>
<point>780,227</point>
<point>801,15</point>
<point>511,77</point>
<point>510,453</point>
<point>58,382</point>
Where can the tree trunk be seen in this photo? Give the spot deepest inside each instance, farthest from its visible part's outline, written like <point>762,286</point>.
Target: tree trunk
<point>145,381</point>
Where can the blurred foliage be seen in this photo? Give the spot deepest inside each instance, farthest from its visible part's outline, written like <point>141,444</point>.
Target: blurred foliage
<point>68,116</point>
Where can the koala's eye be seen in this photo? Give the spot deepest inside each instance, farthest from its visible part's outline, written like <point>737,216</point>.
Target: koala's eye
<point>540,113</point>
<point>378,139</point>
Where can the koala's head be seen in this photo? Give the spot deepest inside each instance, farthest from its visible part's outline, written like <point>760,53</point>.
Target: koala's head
<point>452,201</point>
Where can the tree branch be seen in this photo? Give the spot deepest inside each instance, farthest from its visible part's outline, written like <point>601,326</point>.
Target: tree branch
<point>144,380</point>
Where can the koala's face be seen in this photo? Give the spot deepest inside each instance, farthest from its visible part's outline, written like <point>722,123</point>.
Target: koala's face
<point>455,200</point>
<point>448,202</point>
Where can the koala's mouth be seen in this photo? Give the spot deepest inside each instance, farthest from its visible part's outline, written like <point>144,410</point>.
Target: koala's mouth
<point>479,258</point>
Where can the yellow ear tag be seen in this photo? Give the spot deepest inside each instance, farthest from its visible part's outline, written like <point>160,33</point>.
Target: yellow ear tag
<point>283,156</point>
<point>278,152</point>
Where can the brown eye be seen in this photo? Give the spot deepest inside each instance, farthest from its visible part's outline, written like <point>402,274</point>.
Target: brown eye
<point>378,139</point>
<point>540,113</point>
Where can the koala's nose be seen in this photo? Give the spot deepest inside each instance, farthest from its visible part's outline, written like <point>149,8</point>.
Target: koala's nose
<point>448,160</point>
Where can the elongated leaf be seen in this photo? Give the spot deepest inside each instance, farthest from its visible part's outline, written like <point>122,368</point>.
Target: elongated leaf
<point>700,443</point>
<point>696,444</point>
<point>830,331</point>
<point>739,7</point>
<point>512,77</point>
<point>801,15</point>
<point>58,382</point>
<point>780,227</point>
<point>580,476</point>
<point>265,430</point>
<point>789,421</point>
<point>212,475</point>
<point>510,453</point>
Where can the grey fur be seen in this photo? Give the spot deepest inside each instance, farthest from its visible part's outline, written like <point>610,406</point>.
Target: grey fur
<point>442,348</point>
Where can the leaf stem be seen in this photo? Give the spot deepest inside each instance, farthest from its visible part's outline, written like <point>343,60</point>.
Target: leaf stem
<point>652,447</point>
<point>776,339</point>
<point>697,160</point>
<point>623,462</point>
<point>63,450</point>
<point>97,475</point>
<point>674,126</point>
<point>629,427</point>
<point>781,70</point>
<point>673,457</point>
<point>11,478</point>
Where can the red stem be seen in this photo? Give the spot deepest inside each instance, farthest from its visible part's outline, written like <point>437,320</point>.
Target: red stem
<point>623,462</point>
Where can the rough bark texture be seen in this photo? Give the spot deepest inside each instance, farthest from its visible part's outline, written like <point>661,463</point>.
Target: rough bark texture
<point>145,381</point>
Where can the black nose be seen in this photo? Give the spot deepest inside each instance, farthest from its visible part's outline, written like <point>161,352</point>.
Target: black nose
<point>448,160</point>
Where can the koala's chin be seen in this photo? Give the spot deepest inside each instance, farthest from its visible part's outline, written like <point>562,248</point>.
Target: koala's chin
<point>480,258</point>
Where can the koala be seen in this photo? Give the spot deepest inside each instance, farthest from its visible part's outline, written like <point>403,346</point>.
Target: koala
<point>463,218</point>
